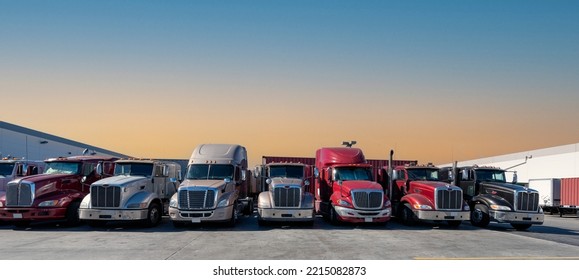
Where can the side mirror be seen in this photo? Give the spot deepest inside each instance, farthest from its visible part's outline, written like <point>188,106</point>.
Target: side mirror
<point>268,181</point>
<point>243,175</point>
<point>316,173</point>
<point>515,178</point>
<point>99,169</point>
<point>464,174</point>
<point>306,182</point>
<point>395,175</point>
<point>165,171</point>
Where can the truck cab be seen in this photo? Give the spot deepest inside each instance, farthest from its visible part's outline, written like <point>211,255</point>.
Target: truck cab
<point>139,191</point>
<point>215,187</point>
<point>419,194</point>
<point>287,197</point>
<point>13,168</point>
<point>55,194</point>
<point>345,190</point>
<point>492,198</point>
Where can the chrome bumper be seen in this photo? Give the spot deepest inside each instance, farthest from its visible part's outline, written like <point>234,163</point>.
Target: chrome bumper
<point>517,217</point>
<point>112,215</point>
<point>362,214</point>
<point>198,216</point>
<point>284,214</point>
<point>442,215</point>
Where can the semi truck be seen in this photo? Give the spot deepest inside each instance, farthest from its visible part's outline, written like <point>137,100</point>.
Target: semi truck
<point>491,198</point>
<point>215,188</point>
<point>286,197</point>
<point>418,194</point>
<point>345,190</point>
<point>13,168</point>
<point>139,191</point>
<point>55,194</point>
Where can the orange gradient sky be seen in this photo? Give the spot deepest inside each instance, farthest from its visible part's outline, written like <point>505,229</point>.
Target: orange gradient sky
<point>435,83</point>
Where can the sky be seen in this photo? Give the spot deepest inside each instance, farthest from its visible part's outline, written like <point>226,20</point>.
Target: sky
<point>437,81</point>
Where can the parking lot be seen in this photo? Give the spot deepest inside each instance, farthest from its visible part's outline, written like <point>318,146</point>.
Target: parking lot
<point>557,238</point>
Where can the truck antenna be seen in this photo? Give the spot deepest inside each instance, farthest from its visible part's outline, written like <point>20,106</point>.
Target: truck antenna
<point>349,144</point>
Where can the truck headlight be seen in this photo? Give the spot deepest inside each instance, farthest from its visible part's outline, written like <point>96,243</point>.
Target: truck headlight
<point>466,207</point>
<point>173,203</point>
<point>137,205</point>
<point>422,207</point>
<point>387,204</point>
<point>48,203</point>
<point>500,207</point>
<point>1,204</point>
<point>223,202</point>
<point>344,203</point>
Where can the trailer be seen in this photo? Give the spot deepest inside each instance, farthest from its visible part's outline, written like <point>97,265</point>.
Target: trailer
<point>569,196</point>
<point>549,193</point>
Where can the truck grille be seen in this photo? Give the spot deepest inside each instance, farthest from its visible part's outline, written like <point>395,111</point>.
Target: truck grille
<point>368,199</point>
<point>197,199</point>
<point>20,194</point>
<point>105,196</point>
<point>286,197</point>
<point>527,201</point>
<point>448,199</point>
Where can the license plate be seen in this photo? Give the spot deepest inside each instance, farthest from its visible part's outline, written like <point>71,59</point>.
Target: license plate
<point>17,216</point>
<point>196,220</point>
<point>368,220</point>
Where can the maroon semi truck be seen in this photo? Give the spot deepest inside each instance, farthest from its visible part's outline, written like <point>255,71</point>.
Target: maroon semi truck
<point>54,195</point>
<point>345,190</point>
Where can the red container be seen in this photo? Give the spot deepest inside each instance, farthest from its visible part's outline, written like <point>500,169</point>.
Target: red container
<point>569,192</point>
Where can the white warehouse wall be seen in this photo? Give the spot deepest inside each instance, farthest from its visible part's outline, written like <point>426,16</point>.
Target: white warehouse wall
<point>22,142</point>
<point>554,162</point>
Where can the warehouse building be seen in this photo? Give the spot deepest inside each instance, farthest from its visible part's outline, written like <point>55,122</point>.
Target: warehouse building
<point>20,142</point>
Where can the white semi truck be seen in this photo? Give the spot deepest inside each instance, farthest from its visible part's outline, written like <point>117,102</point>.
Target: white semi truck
<point>139,190</point>
<point>214,188</point>
<point>286,197</point>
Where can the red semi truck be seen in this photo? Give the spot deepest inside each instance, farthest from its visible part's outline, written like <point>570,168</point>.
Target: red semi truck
<point>345,190</point>
<point>54,195</point>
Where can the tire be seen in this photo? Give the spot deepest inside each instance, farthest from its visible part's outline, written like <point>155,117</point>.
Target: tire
<point>72,218</point>
<point>479,216</point>
<point>407,215</point>
<point>521,226</point>
<point>333,216</point>
<point>454,224</point>
<point>96,223</point>
<point>154,215</point>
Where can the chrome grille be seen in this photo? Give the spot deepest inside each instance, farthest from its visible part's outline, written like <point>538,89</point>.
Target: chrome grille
<point>448,199</point>
<point>196,199</point>
<point>367,199</point>
<point>286,196</point>
<point>527,201</point>
<point>105,196</point>
<point>19,194</point>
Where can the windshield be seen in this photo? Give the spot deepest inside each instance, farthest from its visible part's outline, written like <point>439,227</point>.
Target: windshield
<point>352,173</point>
<point>134,169</point>
<point>425,174</point>
<point>286,171</point>
<point>210,172</point>
<point>493,175</point>
<point>6,169</point>
<point>62,168</point>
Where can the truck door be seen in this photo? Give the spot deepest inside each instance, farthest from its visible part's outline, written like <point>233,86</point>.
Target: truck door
<point>159,181</point>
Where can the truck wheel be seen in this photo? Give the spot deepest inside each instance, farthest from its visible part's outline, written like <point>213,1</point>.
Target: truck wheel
<point>333,216</point>
<point>96,223</point>
<point>521,226</point>
<point>408,217</point>
<point>454,224</point>
<point>479,216</point>
<point>154,215</point>
<point>72,218</point>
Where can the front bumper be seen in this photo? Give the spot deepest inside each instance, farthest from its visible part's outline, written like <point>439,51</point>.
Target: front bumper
<point>113,214</point>
<point>32,214</point>
<point>442,215</point>
<point>285,214</point>
<point>363,216</point>
<point>517,217</point>
<point>198,216</point>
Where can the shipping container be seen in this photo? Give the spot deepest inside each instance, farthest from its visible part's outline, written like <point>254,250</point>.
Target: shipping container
<point>569,194</point>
